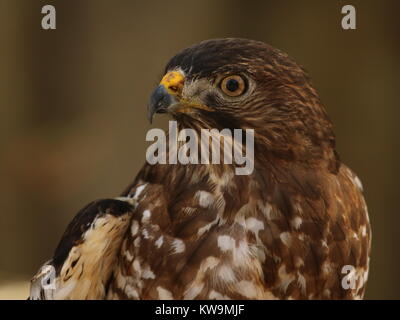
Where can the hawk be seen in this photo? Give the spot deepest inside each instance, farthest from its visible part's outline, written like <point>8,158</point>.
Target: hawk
<point>297,227</point>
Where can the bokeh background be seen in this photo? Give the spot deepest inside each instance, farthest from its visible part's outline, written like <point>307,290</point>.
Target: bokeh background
<point>73,106</point>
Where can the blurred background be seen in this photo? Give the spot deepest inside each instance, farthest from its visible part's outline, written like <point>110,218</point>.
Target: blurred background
<point>73,106</point>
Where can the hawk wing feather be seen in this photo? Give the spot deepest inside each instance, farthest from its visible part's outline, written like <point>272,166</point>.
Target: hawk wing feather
<point>84,259</point>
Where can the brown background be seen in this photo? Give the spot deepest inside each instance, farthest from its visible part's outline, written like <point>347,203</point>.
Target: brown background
<point>73,105</point>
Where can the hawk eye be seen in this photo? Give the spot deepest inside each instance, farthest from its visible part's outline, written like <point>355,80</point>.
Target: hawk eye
<point>233,86</point>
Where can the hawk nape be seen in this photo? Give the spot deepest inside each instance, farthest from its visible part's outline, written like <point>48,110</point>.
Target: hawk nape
<point>286,231</point>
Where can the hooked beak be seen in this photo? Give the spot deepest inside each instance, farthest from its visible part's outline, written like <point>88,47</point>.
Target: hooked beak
<point>167,97</point>
<point>159,102</point>
<point>166,94</point>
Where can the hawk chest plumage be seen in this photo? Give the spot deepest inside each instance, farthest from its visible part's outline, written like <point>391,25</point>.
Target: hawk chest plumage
<point>232,237</point>
<point>296,227</point>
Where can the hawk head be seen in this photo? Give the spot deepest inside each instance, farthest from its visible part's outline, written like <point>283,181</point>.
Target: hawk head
<point>246,84</point>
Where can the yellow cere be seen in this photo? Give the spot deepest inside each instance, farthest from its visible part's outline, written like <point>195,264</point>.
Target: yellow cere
<point>173,82</point>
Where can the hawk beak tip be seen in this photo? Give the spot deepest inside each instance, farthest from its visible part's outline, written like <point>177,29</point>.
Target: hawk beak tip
<point>150,117</point>
<point>159,102</point>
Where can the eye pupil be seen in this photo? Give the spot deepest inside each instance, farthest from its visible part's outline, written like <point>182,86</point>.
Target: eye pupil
<point>232,85</point>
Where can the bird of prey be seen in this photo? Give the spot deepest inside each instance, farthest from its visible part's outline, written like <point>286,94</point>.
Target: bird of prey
<point>297,227</point>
